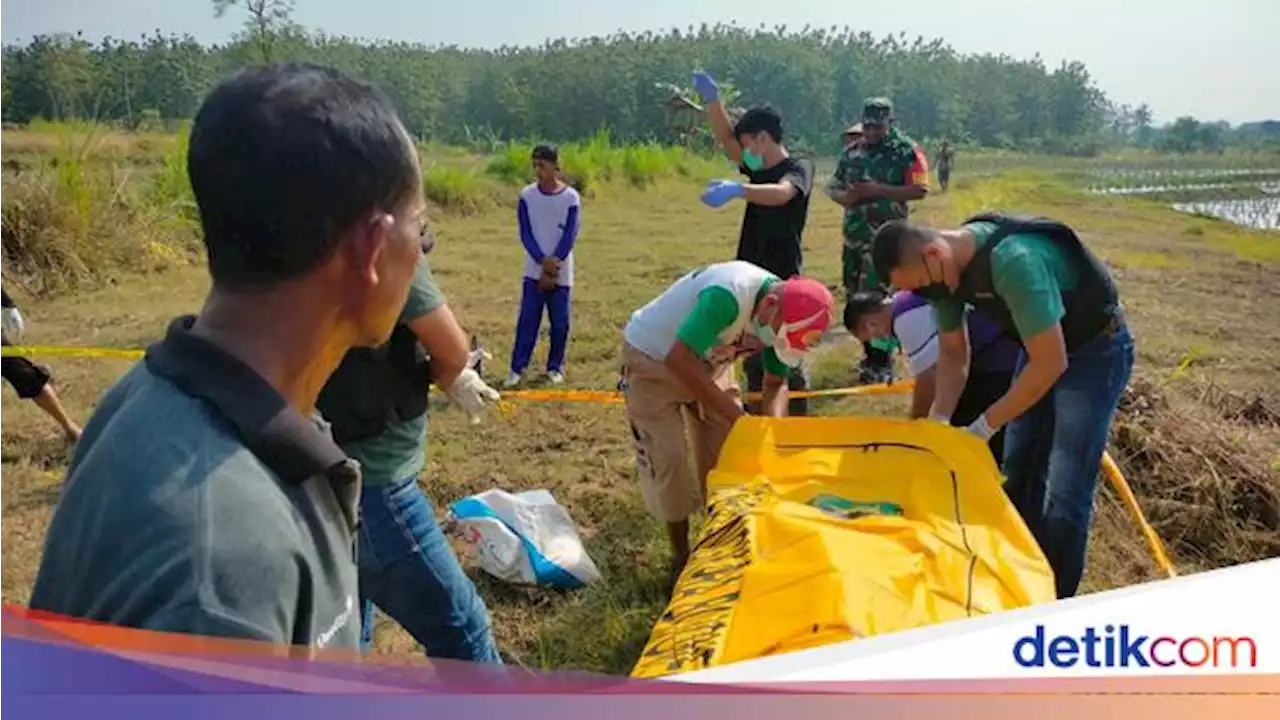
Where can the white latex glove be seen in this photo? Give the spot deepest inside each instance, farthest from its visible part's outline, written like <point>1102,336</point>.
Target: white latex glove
<point>14,327</point>
<point>470,393</point>
<point>478,356</point>
<point>982,428</point>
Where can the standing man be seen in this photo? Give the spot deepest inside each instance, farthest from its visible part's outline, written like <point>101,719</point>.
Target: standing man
<point>206,496</point>
<point>777,197</point>
<point>946,158</point>
<point>29,380</point>
<point>677,364</point>
<point>874,182</point>
<point>1038,281</point>
<point>547,214</point>
<point>852,137</point>
<point>377,401</point>
<point>907,318</point>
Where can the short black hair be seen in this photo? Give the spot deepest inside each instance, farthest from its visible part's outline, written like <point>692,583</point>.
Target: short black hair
<point>862,303</point>
<point>763,118</point>
<point>283,158</point>
<point>892,240</point>
<point>546,152</point>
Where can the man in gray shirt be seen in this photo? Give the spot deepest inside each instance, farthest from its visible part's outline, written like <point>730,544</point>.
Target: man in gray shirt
<point>205,495</point>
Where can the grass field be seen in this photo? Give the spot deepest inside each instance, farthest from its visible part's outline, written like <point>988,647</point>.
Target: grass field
<point>1197,438</point>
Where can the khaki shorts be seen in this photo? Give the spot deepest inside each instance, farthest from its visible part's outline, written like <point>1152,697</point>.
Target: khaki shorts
<point>660,409</point>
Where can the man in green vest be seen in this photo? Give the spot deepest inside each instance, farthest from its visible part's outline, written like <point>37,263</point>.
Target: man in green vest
<point>1045,288</point>
<point>874,180</point>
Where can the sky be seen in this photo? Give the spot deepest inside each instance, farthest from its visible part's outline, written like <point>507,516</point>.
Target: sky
<point>1214,60</point>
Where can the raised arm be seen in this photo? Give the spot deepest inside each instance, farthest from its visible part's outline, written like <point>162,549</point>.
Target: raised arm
<point>721,126</point>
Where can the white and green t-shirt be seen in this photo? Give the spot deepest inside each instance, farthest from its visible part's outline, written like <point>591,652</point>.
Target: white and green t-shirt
<point>709,310</point>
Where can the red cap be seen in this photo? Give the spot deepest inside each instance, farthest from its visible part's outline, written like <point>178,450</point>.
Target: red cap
<point>806,310</point>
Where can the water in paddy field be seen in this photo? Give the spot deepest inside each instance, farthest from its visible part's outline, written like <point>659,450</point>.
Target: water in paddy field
<point>1247,197</point>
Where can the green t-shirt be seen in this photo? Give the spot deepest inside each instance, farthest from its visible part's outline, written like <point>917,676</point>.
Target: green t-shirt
<point>400,450</point>
<point>1029,272</point>
<point>715,311</point>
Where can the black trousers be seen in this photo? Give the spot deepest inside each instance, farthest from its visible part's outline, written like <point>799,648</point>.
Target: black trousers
<point>983,389</point>
<point>27,378</point>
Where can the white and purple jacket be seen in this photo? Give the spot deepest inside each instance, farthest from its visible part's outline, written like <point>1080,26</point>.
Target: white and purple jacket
<point>916,328</point>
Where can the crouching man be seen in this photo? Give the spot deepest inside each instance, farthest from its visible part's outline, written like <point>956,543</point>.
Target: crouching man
<point>677,360</point>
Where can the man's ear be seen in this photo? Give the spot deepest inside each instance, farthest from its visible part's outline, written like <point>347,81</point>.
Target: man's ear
<point>369,241</point>
<point>768,308</point>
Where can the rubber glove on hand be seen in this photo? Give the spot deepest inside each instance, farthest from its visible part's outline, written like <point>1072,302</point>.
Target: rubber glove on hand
<point>719,192</point>
<point>477,357</point>
<point>470,393</point>
<point>706,86</point>
<point>14,327</point>
<point>981,428</point>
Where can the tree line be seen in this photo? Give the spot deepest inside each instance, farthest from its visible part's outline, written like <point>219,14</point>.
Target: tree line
<point>569,89</point>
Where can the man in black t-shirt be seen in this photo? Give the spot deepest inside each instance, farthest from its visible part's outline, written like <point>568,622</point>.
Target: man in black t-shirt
<point>777,197</point>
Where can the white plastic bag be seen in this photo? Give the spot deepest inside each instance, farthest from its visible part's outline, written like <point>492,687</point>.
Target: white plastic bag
<point>525,538</point>
<point>14,327</point>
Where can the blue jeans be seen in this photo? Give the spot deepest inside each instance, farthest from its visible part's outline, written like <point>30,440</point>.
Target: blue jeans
<point>1053,452</point>
<point>533,301</point>
<point>408,569</point>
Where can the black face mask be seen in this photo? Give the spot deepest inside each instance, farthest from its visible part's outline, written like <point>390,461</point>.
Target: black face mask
<point>934,290</point>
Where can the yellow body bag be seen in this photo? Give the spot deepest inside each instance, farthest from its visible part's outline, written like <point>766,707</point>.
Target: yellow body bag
<point>821,530</point>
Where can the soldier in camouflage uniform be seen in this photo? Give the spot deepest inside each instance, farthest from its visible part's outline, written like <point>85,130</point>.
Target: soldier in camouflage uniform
<point>874,181</point>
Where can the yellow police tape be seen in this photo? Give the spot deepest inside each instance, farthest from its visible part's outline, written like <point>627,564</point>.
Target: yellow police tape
<point>821,530</point>
<point>30,350</point>
<point>612,397</point>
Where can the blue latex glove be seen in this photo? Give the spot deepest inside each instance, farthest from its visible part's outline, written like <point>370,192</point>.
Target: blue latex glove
<point>706,86</point>
<point>719,192</point>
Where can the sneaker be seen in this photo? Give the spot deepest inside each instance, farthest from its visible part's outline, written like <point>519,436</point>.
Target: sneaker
<point>556,377</point>
<point>512,380</point>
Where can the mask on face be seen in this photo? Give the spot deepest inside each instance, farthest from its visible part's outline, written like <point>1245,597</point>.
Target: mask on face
<point>765,333</point>
<point>753,161</point>
<point>934,290</point>
<point>778,340</point>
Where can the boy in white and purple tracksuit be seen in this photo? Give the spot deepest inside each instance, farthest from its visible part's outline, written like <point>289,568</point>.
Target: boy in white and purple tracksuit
<point>548,220</point>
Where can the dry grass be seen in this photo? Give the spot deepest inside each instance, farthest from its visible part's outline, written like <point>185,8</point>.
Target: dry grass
<point>1208,484</point>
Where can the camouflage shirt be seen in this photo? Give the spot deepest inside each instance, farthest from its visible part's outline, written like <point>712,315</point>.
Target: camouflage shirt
<point>896,160</point>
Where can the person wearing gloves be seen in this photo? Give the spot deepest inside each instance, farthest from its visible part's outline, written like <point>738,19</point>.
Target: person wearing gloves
<point>1040,283</point>
<point>547,213</point>
<point>677,360</point>
<point>28,379</point>
<point>777,201</point>
<point>907,318</point>
<point>377,404</point>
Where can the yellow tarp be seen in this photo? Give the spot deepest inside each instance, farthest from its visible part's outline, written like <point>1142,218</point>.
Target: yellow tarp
<point>821,530</point>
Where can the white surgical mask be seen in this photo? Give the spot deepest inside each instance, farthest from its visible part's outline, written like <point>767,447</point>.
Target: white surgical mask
<point>791,357</point>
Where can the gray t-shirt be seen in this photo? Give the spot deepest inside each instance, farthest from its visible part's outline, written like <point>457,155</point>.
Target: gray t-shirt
<point>199,502</point>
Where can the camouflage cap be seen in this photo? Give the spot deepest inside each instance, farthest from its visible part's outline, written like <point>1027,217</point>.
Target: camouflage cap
<point>877,111</point>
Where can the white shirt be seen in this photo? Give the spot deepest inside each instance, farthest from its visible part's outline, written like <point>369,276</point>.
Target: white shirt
<point>548,215</point>
<point>917,330</point>
<point>652,329</point>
